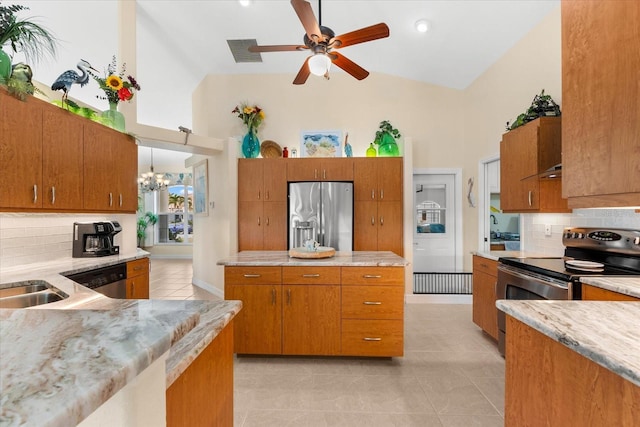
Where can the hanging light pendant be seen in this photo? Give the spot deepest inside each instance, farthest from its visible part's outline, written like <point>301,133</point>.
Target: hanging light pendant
<point>150,181</point>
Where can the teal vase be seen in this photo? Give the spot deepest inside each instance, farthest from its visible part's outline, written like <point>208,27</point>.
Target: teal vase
<point>113,118</point>
<point>251,144</point>
<point>388,146</point>
<point>5,66</point>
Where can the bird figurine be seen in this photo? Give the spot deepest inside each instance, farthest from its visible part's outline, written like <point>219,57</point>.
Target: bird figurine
<point>347,147</point>
<point>70,77</point>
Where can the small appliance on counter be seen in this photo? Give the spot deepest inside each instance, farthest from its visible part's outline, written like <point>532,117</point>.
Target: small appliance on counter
<point>94,239</point>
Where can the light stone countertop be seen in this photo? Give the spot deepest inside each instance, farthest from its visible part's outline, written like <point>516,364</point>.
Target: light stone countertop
<point>61,361</point>
<point>495,255</point>
<point>341,259</point>
<point>605,332</point>
<point>627,285</point>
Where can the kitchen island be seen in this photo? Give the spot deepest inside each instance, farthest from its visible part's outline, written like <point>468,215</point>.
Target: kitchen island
<point>572,362</point>
<point>351,304</point>
<point>97,359</point>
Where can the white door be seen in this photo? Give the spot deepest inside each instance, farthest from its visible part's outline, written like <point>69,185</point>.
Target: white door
<point>435,228</point>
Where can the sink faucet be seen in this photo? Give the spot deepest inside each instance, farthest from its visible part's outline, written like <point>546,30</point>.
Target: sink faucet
<point>493,217</point>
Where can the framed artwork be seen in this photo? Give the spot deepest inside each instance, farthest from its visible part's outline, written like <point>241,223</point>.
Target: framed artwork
<point>326,143</point>
<point>200,191</point>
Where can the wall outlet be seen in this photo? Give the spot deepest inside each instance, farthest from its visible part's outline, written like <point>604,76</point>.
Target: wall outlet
<point>547,229</point>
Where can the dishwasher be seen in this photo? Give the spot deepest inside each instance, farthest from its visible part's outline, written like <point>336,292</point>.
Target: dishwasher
<point>110,281</point>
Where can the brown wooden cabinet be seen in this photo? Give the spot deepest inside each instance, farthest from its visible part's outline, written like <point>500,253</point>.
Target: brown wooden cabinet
<point>320,169</point>
<point>600,107</point>
<point>305,310</point>
<point>526,152</point>
<point>379,179</point>
<point>56,161</point>
<point>262,180</point>
<point>203,395</point>
<point>593,293</point>
<point>485,278</point>
<point>138,279</point>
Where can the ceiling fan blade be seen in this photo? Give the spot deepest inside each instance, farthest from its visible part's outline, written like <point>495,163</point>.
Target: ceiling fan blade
<point>277,48</point>
<point>309,22</point>
<point>374,32</point>
<point>349,66</point>
<point>303,74</point>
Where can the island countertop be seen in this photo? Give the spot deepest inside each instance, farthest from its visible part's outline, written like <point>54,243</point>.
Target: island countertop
<point>605,332</point>
<point>341,259</point>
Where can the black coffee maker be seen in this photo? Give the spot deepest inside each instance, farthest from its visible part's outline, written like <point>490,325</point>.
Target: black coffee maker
<point>93,239</point>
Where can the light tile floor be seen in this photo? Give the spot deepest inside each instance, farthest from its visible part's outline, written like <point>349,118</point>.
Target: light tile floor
<point>451,374</point>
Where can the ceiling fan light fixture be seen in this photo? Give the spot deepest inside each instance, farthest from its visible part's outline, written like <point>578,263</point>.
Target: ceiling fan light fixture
<point>245,3</point>
<point>319,64</point>
<point>422,25</point>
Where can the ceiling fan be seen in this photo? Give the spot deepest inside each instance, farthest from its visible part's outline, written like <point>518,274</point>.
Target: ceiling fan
<point>322,42</point>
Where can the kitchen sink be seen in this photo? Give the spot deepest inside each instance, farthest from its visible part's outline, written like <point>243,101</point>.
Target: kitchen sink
<point>28,294</point>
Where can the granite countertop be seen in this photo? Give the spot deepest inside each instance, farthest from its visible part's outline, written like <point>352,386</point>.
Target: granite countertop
<point>494,255</point>
<point>61,361</point>
<point>605,332</point>
<point>341,259</point>
<point>627,285</point>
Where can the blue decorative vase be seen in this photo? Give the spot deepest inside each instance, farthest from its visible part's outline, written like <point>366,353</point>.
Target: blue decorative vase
<point>250,144</point>
<point>113,118</point>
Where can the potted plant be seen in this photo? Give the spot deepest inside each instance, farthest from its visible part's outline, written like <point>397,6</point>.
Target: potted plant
<point>386,140</point>
<point>22,35</point>
<point>149,218</point>
<point>541,106</point>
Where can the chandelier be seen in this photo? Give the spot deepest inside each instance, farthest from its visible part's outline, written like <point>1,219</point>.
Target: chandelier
<point>150,181</point>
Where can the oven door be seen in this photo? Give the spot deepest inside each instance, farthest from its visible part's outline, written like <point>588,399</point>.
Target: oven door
<point>518,284</point>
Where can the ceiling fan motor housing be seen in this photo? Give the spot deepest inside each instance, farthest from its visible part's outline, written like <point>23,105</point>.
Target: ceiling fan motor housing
<point>326,32</point>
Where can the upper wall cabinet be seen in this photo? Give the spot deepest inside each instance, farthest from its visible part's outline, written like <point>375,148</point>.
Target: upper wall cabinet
<point>526,152</point>
<point>601,103</point>
<point>53,160</point>
<point>262,180</point>
<point>320,169</point>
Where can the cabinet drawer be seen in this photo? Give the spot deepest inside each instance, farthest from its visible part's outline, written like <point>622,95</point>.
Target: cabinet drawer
<point>372,302</point>
<point>137,267</point>
<point>311,275</point>
<point>384,338</point>
<point>253,275</point>
<point>485,265</point>
<point>373,276</point>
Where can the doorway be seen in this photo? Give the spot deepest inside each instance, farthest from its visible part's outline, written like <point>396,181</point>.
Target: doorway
<point>437,216</point>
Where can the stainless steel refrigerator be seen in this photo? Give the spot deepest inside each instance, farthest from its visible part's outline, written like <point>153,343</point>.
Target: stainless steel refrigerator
<point>322,211</point>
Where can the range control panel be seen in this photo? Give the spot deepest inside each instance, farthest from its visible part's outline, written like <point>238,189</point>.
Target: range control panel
<point>602,239</point>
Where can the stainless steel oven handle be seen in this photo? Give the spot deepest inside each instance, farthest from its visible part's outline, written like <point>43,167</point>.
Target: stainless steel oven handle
<point>531,278</point>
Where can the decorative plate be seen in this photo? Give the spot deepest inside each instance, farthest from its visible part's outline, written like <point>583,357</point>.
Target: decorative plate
<point>270,149</point>
<point>320,252</point>
<point>584,264</point>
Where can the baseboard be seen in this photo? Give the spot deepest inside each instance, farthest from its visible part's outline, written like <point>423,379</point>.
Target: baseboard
<point>437,299</point>
<point>208,287</point>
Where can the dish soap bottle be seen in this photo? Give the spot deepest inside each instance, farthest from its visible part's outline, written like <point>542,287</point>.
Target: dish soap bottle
<point>371,151</point>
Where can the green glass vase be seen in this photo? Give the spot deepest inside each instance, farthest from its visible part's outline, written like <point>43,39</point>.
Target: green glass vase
<point>371,151</point>
<point>388,146</point>
<point>113,118</point>
<point>251,144</point>
<point>5,66</point>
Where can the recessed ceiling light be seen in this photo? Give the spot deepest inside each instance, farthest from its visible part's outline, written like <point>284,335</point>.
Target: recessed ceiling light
<point>244,3</point>
<point>422,26</point>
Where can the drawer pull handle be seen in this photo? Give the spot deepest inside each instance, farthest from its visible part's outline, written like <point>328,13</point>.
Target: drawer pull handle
<point>372,276</point>
<point>273,297</point>
<point>310,275</point>
<point>288,296</point>
<point>53,195</point>
<point>251,276</point>
<point>137,268</point>
<point>371,339</point>
<point>372,303</point>
<point>110,199</point>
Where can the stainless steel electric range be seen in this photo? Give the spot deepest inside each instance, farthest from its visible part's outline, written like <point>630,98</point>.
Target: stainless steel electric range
<point>588,252</point>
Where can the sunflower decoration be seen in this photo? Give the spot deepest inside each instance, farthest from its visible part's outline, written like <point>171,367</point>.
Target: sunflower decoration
<point>114,85</point>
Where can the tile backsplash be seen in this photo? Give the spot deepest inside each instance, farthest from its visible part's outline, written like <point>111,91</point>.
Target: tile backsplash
<point>28,238</point>
<point>533,236</point>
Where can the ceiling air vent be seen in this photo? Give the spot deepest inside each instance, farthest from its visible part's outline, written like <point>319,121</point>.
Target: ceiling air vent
<point>240,50</point>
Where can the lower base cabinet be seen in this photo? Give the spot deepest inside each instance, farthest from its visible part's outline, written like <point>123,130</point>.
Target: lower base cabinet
<point>203,395</point>
<point>593,293</point>
<point>138,279</point>
<point>329,311</point>
<point>485,278</point>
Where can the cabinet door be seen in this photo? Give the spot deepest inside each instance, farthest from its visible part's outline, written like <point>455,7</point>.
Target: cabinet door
<point>62,163</point>
<point>126,167</point>
<point>592,293</point>
<point>275,180</point>
<point>336,169</point>
<point>365,179</point>
<point>390,227</point>
<point>303,170</point>
<point>138,287</point>
<point>485,313</point>
<point>365,226</point>
<point>250,226</point>
<point>517,194</point>
<point>390,179</point>
<point>600,108</point>
<point>20,152</point>
<point>100,183</point>
<point>274,226</point>
<point>250,180</point>
<point>311,320</point>
<point>258,326</point>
